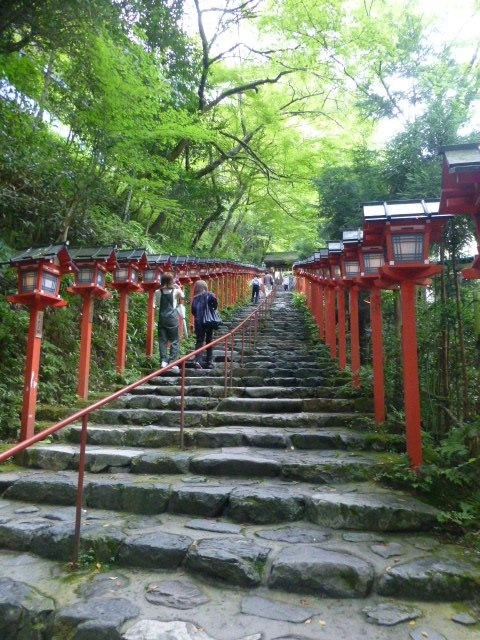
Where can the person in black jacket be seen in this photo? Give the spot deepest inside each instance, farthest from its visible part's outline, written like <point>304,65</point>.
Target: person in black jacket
<point>201,297</point>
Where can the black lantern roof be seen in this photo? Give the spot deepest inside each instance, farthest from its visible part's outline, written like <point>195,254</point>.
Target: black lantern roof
<point>352,236</point>
<point>55,253</point>
<point>158,259</point>
<point>335,247</point>
<point>462,158</point>
<point>127,256</point>
<point>95,254</point>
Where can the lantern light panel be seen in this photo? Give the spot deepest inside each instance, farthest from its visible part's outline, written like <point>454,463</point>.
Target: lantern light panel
<point>352,268</point>
<point>408,247</point>
<point>28,281</point>
<point>372,262</point>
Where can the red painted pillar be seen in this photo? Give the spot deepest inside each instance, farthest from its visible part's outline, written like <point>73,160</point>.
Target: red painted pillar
<point>122,331</point>
<point>342,339</point>
<point>85,346</point>
<point>377,354</point>
<point>410,373</point>
<point>331,320</point>
<point>216,284</point>
<point>224,289</point>
<point>323,315</point>
<point>32,365</point>
<point>354,336</point>
<point>316,303</point>
<point>150,323</point>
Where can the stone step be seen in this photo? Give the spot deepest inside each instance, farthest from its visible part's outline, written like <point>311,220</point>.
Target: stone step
<point>218,391</point>
<point>169,418</point>
<point>273,501</point>
<point>306,557</point>
<point>298,558</point>
<point>258,405</point>
<point>281,371</point>
<point>228,436</point>
<point>284,355</point>
<point>319,467</point>
<point>261,405</point>
<point>272,364</point>
<point>216,377</point>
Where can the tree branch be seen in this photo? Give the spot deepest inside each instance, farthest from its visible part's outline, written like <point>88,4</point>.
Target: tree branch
<point>249,86</point>
<point>225,155</point>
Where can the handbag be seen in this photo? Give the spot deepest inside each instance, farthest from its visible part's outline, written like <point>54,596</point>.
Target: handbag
<point>211,318</point>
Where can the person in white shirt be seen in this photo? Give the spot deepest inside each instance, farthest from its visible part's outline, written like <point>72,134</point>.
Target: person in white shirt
<point>255,288</point>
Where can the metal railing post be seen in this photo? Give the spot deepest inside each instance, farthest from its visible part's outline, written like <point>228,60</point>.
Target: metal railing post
<point>182,407</point>
<point>232,345</point>
<point>79,498</point>
<point>225,366</point>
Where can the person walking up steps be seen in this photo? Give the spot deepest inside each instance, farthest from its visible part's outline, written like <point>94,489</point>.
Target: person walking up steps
<point>268,283</point>
<point>255,284</point>
<point>171,295</point>
<point>201,297</point>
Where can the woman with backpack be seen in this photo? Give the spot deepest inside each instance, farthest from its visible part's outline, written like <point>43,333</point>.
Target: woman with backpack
<point>170,297</point>
<point>203,333</point>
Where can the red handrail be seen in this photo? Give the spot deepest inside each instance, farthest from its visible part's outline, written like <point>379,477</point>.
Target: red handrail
<point>260,313</point>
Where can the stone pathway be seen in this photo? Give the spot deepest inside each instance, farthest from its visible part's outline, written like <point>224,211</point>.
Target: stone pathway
<point>269,524</point>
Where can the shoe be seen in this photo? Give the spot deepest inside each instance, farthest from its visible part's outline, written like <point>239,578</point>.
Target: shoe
<point>164,364</point>
<point>209,365</point>
<point>198,365</point>
<point>175,369</point>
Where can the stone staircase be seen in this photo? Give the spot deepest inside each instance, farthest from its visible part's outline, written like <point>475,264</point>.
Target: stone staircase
<point>274,494</point>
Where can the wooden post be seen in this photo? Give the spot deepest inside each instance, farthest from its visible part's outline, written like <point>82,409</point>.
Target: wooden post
<point>354,336</point>
<point>342,340</point>
<point>377,354</point>
<point>122,331</point>
<point>85,346</point>
<point>32,365</point>
<point>410,373</point>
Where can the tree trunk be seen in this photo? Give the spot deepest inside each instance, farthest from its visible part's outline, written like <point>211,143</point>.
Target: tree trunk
<point>46,87</point>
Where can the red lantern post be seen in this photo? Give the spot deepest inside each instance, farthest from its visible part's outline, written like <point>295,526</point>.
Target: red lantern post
<point>317,292</point>
<point>409,228</point>
<point>39,272</point>
<point>323,273</point>
<point>335,250</point>
<point>126,280</point>
<point>151,274</point>
<point>330,305</point>
<point>92,266</point>
<point>351,270</point>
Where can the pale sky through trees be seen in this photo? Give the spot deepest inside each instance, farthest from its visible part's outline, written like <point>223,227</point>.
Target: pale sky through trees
<point>455,23</point>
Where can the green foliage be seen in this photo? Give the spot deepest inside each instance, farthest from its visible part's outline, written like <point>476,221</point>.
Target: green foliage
<point>447,478</point>
<point>343,186</point>
<point>13,331</point>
